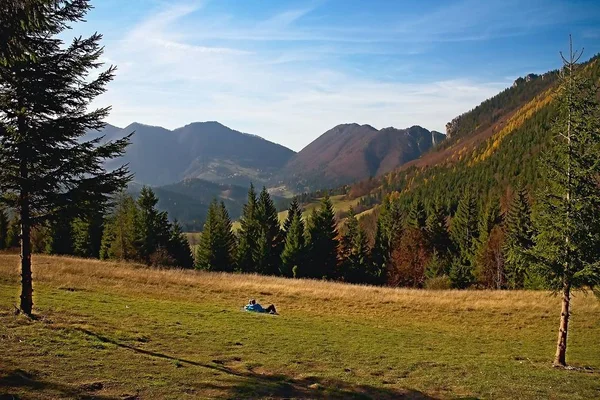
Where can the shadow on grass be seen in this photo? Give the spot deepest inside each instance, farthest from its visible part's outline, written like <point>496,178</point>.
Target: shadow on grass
<point>19,380</point>
<point>251,385</point>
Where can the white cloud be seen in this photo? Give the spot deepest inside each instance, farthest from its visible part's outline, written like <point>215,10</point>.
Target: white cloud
<point>168,77</point>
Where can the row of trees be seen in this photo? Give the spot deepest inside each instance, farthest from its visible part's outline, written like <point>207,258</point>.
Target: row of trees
<point>134,230</point>
<point>299,248</point>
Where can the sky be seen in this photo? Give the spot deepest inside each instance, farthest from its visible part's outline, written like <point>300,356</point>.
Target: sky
<point>290,70</point>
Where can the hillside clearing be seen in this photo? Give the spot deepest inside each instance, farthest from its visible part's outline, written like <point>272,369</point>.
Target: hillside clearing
<point>108,330</point>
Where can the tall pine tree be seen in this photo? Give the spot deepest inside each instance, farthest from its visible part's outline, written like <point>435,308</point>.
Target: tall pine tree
<point>267,254</point>
<point>567,214</point>
<point>354,252</point>
<point>323,242</point>
<point>518,239</point>
<point>464,236</point>
<point>293,256</point>
<point>216,250</point>
<point>248,234</point>
<point>45,90</point>
<point>179,247</point>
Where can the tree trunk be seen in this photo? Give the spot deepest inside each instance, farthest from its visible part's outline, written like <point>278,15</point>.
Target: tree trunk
<point>561,345</point>
<point>26,276</point>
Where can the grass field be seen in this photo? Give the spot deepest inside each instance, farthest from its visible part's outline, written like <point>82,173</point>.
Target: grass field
<point>115,331</point>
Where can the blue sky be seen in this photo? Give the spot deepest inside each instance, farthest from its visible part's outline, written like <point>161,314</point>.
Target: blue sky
<point>290,70</point>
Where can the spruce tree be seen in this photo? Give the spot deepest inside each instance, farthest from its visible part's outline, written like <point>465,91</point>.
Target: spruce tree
<point>267,254</point>
<point>293,209</point>
<point>417,215</point>
<point>518,239</point>
<point>464,236</point>
<point>323,243</point>
<point>354,252</point>
<point>154,228</point>
<point>567,213</point>
<point>439,243</point>
<point>379,256</point>
<point>3,229</point>
<point>216,249</point>
<point>293,256</point>
<point>46,87</point>
<point>179,247</point>
<point>119,239</point>
<point>248,234</point>
<point>87,235</point>
<point>61,235</point>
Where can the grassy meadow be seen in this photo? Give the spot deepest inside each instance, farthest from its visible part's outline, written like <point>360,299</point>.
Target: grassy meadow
<point>106,330</point>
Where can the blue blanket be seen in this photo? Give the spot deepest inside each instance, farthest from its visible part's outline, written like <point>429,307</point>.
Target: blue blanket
<point>254,308</point>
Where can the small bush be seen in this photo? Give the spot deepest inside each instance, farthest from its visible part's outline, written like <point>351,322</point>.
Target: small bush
<point>439,283</point>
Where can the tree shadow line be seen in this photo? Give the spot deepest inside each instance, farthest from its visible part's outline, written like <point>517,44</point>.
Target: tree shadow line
<point>250,385</point>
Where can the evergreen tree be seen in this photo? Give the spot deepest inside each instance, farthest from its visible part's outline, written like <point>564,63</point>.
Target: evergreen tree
<point>322,242</point>
<point>248,234</point>
<point>440,245</point>
<point>61,235</point>
<point>464,236</point>
<point>45,90</point>
<point>13,237</point>
<point>267,255</point>
<point>119,239</point>
<point>518,239</point>
<point>379,256</point>
<point>417,216</point>
<point>216,249</point>
<point>3,229</point>
<point>179,247</point>
<point>293,209</point>
<point>354,251</point>
<point>567,214</point>
<point>293,255</point>
<point>154,226</point>
<point>87,235</point>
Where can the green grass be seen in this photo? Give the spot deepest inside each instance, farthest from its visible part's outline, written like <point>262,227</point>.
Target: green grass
<point>108,331</point>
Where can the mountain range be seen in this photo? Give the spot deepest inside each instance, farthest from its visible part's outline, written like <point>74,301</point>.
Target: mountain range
<point>202,150</point>
<point>191,165</point>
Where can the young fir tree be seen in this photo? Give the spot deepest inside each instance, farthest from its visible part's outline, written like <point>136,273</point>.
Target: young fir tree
<point>518,239</point>
<point>438,239</point>
<point>293,209</point>
<point>179,247</point>
<point>417,216</point>
<point>3,229</point>
<point>379,256</point>
<point>267,254</point>
<point>293,256</point>
<point>354,252</point>
<point>322,242</point>
<point>217,243</point>
<point>119,239</point>
<point>46,87</point>
<point>60,241</point>
<point>87,235</point>
<point>154,227</point>
<point>464,236</point>
<point>248,234</point>
<point>567,214</point>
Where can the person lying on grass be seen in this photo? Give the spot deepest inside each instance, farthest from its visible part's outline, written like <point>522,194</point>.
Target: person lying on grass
<point>255,307</point>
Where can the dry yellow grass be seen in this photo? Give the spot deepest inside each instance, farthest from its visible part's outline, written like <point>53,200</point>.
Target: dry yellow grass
<point>175,334</point>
